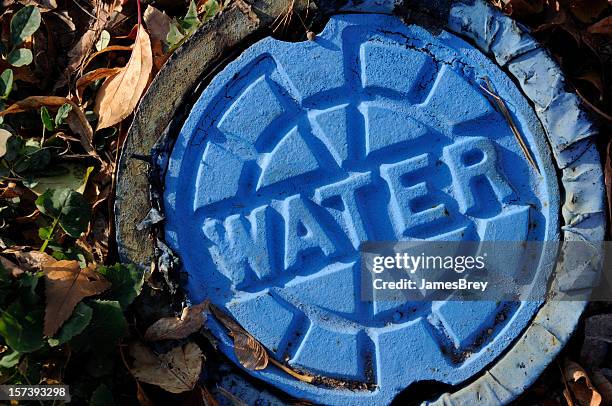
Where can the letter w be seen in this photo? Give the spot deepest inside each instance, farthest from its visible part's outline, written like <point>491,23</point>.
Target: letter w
<point>240,242</point>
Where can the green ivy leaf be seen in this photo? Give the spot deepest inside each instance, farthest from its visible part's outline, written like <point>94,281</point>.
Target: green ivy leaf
<point>211,7</point>
<point>22,328</point>
<point>103,41</point>
<point>174,36</point>
<point>6,83</point>
<point>24,23</point>
<point>44,233</point>
<point>68,176</point>
<point>102,396</point>
<point>46,118</point>
<point>126,282</point>
<point>20,57</point>
<point>10,360</point>
<point>80,318</point>
<point>28,156</point>
<point>107,327</point>
<point>62,114</point>
<point>190,22</point>
<point>67,207</point>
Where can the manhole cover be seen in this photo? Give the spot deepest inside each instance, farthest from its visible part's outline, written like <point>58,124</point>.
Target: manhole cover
<point>296,153</point>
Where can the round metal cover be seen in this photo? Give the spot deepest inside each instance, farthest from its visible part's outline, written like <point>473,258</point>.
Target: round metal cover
<point>296,153</point>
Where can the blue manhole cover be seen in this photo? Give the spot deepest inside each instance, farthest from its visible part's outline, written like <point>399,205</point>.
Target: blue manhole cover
<point>297,152</point>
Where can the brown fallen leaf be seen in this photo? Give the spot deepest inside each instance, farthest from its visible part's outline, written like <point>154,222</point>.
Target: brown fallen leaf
<point>176,371</point>
<point>207,397</point>
<point>250,353</point>
<point>119,95</point>
<point>31,261</point>
<point>603,26</point>
<point>66,284</point>
<point>105,15</point>
<point>588,10</point>
<point>141,396</point>
<point>580,385</point>
<point>109,48</point>
<point>12,267</point>
<point>4,137</point>
<point>91,77</point>
<point>603,386</point>
<point>226,320</point>
<point>172,328</point>
<point>76,119</point>
<point>522,8</point>
<point>158,25</point>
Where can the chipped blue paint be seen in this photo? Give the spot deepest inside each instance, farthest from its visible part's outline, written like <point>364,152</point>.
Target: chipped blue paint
<point>295,153</point>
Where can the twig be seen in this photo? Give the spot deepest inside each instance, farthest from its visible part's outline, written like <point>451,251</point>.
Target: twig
<point>506,113</point>
<point>593,107</point>
<point>296,375</point>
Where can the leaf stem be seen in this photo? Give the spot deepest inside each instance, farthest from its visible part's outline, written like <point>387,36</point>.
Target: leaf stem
<point>139,13</point>
<point>46,242</point>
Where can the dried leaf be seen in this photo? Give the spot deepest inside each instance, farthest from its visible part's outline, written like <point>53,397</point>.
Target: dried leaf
<point>176,371</point>
<point>80,51</point>
<point>207,397</point>
<point>119,95</point>
<point>603,386</point>
<point>76,119</point>
<point>580,385</point>
<point>12,267</point>
<point>66,285</point>
<point>4,137</point>
<point>588,10</point>
<point>603,26</point>
<point>158,23</point>
<point>226,320</point>
<point>31,261</point>
<point>250,353</point>
<point>110,48</point>
<point>172,328</point>
<point>141,396</point>
<point>522,8</point>
<point>91,77</point>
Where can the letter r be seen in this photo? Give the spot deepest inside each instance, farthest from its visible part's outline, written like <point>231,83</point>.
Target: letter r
<point>471,158</point>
